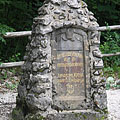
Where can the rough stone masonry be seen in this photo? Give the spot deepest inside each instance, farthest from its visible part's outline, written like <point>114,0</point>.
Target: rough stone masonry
<point>62,77</point>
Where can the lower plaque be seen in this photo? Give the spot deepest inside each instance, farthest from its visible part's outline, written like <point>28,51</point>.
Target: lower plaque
<point>68,80</point>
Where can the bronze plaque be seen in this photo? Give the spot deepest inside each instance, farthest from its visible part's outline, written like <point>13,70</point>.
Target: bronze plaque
<point>69,72</point>
<point>69,81</point>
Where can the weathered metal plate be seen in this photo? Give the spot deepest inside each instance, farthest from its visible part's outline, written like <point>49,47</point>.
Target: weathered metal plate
<point>69,79</point>
<point>69,68</point>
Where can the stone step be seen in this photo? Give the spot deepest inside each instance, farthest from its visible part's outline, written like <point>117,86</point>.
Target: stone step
<point>76,115</point>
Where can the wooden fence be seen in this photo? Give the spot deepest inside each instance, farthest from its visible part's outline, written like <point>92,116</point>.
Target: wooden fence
<point>28,33</point>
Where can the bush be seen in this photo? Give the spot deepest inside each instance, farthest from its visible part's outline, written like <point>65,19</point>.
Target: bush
<point>111,44</point>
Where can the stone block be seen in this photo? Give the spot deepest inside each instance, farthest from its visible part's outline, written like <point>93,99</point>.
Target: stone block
<point>76,115</point>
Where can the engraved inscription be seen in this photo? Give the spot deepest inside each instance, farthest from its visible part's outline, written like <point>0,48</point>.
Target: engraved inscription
<point>70,77</point>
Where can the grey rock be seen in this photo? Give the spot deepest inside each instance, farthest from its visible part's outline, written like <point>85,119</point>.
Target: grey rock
<point>40,66</point>
<point>98,64</point>
<point>56,2</point>
<point>93,18</point>
<point>85,19</point>
<point>57,11</point>
<point>99,99</point>
<point>79,11</point>
<point>42,11</point>
<point>118,82</point>
<point>84,5</point>
<point>46,20</point>
<point>40,88</point>
<point>57,24</point>
<point>96,73</point>
<point>41,78</point>
<point>73,4</point>
<point>97,53</point>
<point>45,29</point>
<point>38,103</point>
<point>90,13</point>
<point>22,91</point>
<point>96,41</point>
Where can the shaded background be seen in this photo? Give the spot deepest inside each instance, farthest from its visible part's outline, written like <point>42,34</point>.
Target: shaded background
<point>17,15</point>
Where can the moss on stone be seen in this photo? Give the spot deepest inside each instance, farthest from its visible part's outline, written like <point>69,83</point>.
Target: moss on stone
<point>17,114</point>
<point>81,115</point>
<point>34,117</point>
<point>102,118</point>
<point>77,115</point>
<point>84,116</point>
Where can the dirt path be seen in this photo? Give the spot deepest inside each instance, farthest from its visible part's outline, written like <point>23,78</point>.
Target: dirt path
<point>113,98</point>
<point>8,100</point>
<point>7,103</point>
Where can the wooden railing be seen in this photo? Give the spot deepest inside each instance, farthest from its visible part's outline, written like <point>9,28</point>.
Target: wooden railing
<point>28,33</point>
<point>11,64</point>
<point>17,34</point>
<point>105,28</point>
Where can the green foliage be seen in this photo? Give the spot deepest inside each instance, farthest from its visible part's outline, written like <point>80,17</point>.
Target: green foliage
<point>105,10</point>
<point>14,58</point>
<point>9,78</point>
<point>111,45</point>
<point>3,30</point>
<point>15,15</point>
<point>108,71</point>
<point>11,86</point>
<point>111,83</point>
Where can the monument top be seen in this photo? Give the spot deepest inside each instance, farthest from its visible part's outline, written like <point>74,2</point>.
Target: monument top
<point>55,14</point>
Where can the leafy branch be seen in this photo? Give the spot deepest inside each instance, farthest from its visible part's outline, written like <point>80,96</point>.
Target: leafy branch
<point>3,30</point>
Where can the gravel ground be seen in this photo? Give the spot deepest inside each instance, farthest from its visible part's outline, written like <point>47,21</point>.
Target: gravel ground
<point>9,79</point>
<point>7,103</point>
<point>113,98</point>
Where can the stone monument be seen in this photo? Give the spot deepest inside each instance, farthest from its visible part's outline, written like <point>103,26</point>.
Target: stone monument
<point>62,77</point>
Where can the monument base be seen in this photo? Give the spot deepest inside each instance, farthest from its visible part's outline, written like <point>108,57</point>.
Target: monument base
<point>70,115</point>
<point>77,115</point>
